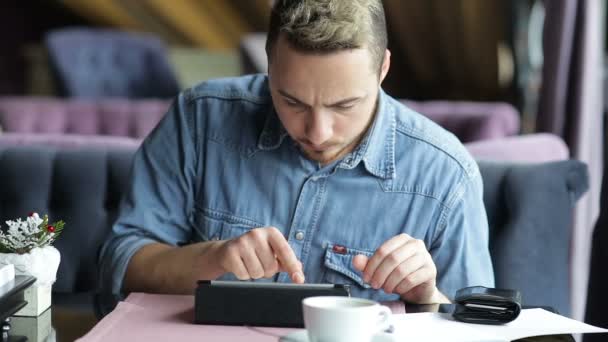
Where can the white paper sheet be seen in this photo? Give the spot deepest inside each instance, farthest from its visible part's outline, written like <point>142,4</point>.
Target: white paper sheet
<point>536,322</point>
<point>434,327</point>
<point>442,327</point>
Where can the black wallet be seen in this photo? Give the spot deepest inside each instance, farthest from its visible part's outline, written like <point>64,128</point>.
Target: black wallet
<point>257,304</point>
<point>483,305</point>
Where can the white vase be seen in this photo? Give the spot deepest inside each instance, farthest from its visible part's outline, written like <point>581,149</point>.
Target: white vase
<point>41,263</point>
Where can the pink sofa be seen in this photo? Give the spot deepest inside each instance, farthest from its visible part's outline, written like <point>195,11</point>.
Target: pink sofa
<point>118,117</point>
<point>487,129</point>
<point>69,141</point>
<point>527,148</point>
<point>469,121</point>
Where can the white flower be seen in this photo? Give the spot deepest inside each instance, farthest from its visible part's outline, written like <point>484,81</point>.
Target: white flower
<point>34,220</point>
<point>23,235</point>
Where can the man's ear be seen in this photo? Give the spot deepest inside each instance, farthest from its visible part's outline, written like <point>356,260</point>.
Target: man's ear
<point>386,64</point>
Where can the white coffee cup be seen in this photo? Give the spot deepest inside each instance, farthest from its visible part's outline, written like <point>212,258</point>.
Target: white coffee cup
<point>338,319</point>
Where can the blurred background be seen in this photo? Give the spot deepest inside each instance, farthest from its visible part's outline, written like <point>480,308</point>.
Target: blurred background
<point>540,64</point>
<point>453,50</point>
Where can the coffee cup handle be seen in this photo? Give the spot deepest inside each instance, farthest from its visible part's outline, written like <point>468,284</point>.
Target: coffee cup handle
<point>384,314</point>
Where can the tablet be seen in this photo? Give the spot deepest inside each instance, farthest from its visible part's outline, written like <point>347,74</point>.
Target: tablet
<point>257,303</point>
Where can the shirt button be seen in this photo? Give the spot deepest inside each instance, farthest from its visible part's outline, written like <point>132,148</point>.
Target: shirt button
<point>215,238</point>
<point>299,236</point>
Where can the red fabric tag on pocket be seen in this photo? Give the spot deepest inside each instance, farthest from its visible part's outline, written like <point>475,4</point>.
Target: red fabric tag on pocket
<point>339,249</point>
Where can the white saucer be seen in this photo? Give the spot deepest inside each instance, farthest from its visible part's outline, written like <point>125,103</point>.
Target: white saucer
<point>302,336</point>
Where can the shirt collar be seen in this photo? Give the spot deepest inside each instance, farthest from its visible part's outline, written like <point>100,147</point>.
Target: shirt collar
<point>273,132</point>
<point>376,150</point>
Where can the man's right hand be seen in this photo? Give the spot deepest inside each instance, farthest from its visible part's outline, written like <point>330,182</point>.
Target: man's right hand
<point>259,253</point>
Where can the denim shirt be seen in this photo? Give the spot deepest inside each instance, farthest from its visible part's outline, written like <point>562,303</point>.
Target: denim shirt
<point>220,163</point>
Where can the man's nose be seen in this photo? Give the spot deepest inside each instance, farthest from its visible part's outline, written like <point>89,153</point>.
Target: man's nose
<point>319,128</point>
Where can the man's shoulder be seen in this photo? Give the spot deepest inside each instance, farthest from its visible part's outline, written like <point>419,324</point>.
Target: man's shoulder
<point>250,88</point>
<point>230,111</point>
<point>417,135</point>
<point>229,101</point>
<point>438,155</point>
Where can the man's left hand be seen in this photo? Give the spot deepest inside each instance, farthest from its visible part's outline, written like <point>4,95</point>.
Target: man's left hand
<point>402,265</point>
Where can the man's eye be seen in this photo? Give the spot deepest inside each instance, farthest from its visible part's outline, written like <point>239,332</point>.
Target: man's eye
<point>292,103</point>
<point>345,106</point>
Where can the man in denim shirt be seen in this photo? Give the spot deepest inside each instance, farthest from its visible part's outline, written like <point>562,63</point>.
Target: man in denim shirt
<point>310,174</point>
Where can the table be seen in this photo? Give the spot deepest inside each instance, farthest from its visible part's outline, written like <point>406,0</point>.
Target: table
<point>177,315</point>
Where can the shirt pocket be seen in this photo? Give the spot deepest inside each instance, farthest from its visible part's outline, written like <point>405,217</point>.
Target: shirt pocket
<point>212,226</point>
<point>339,269</point>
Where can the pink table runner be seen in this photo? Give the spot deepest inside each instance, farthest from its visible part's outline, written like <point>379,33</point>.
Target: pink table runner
<point>151,317</point>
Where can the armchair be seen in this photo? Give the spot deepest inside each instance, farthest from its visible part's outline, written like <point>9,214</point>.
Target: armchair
<point>96,63</point>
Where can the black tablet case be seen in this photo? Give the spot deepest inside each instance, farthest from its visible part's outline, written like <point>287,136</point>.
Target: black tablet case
<point>255,306</point>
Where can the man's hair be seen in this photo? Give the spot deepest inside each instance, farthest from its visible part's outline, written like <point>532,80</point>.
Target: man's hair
<point>325,26</point>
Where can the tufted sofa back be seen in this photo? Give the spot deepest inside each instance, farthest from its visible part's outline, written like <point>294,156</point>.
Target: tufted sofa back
<point>529,209</point>
<point>469,121</point>
<point>120,117</point>
<point>81,186</point>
